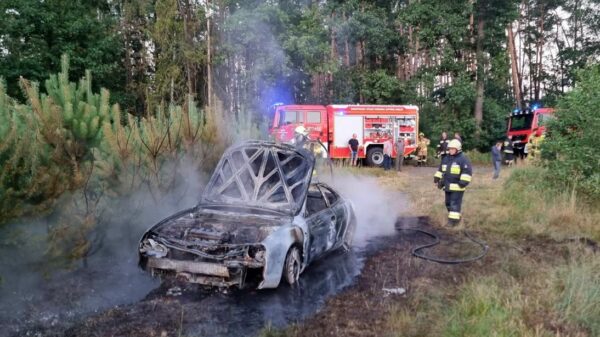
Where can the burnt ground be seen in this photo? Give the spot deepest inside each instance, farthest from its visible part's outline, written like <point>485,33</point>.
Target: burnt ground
<point>341,295</point>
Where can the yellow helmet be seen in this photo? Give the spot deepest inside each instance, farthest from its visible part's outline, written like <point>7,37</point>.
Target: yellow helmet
<point>301,130</point>
<point>455,144</point>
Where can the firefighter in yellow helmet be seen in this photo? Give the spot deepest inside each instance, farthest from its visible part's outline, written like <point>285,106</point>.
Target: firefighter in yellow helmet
<point>300,136</point>
<point>453,176</point>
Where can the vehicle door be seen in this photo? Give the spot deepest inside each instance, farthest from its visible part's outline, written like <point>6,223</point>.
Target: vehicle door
<point>320,220</point>
<point>314,124</point>
<point>288,121</point>
<point>340,215</point>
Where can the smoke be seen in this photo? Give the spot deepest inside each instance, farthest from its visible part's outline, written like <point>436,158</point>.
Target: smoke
<point>376,207</point>
<point>35,292</point>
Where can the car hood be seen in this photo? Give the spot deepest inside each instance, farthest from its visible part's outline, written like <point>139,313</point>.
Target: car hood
<point>262,175</point>
<point>220,224</point>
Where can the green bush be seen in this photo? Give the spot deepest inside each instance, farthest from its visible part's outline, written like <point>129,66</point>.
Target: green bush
<point>570,150</point>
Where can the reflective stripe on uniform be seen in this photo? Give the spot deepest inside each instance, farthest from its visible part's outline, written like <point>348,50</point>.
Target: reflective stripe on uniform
<point>444,166</point>
<point>455,169</point>
<point>465,177</point>
<point>454,215</point>
<point>508,151</point>
<point>438,174</point>
<point>455,188</point>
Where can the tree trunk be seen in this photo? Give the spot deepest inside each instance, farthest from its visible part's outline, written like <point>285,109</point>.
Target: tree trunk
<point>480,73</point>
<point>472,39</point>
<point>209,90</point>
<point>333,56</point>
<point>346,47</point>
<point>514,66</point>
<point>539,56</point>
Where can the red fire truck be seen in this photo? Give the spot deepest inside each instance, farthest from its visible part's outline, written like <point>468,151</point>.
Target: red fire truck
<point>334,125</point>
<point>527,123</point>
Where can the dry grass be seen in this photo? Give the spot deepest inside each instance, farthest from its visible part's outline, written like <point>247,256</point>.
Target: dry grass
<point>524,295</point>
<point>506,206</point>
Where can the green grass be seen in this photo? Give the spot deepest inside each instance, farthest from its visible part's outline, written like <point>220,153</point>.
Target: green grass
<point>485,308</point>
<point>578,285</point>
<point>478,158</point>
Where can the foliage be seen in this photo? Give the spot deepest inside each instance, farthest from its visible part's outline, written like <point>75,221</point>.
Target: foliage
<point>70,139</point>
<point>570,150</point>
<point>36,33</point>
<point>30,179</point>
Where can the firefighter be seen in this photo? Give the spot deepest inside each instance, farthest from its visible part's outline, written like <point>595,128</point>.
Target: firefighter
<point>300,136</point>
<point>453,176</point>
<point>442,146</point>
<point>422,149</point>
<point>536,144</point>
<point>508,150</point>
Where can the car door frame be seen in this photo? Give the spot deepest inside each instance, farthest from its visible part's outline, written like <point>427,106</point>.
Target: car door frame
<point>318,223</point>
<point>340,213</point>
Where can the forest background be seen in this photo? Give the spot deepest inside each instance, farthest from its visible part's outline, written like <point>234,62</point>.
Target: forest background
<point>103,99</point>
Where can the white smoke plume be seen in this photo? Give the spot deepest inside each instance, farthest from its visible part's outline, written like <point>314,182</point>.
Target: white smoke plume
<point>376,207</point>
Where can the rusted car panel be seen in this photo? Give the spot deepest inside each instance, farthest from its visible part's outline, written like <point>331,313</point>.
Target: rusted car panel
<point>260,217</point>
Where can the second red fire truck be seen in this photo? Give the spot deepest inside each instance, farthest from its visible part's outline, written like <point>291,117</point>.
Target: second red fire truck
<point>334,125</point>
<point>527,123</point>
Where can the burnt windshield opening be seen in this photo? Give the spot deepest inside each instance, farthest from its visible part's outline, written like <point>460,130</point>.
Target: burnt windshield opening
<point>261,174</point>
<point>521,122</point>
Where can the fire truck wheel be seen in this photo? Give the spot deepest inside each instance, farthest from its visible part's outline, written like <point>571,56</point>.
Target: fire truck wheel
<point>375,156</point>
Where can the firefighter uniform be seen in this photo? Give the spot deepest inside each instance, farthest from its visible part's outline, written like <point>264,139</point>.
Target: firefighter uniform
<point>509,152</point>
<point>536,144</point>
<point>442,147</point>
<point>422,149</point>
<point>453,176</point>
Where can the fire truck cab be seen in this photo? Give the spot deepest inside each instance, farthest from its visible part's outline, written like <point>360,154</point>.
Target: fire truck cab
<point>334,125</point>
<point>527,123</point>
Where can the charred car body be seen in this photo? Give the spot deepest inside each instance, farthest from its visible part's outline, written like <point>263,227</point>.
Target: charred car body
<point>260,217</point>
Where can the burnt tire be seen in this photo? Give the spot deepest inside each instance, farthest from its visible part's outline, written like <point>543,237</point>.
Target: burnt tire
<point>292,266</point>
<point>375,156</point>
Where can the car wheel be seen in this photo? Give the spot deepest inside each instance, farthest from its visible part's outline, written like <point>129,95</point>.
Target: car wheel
<point>375,156</point>
<point>292,265</point>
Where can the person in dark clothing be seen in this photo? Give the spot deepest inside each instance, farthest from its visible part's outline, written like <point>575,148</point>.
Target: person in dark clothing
<point>442,146</point>
<point>508,150</point>
<point>353,146</point>
<point>453,176</point>
<point>497,158</point>
<point>458,137</point>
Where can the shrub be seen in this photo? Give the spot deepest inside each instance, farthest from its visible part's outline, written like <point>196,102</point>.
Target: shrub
<point>570,150</point>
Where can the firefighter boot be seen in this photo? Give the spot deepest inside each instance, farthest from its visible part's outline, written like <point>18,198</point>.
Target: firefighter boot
<point>452,223</point>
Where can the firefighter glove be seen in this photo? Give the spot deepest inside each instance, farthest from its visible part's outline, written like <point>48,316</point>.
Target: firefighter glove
<point>440,184</point>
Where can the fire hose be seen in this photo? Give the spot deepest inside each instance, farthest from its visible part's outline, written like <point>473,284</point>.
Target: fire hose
<point>418,251</point>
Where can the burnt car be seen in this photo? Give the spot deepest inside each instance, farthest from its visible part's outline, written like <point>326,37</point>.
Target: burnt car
<point>260,221</point>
